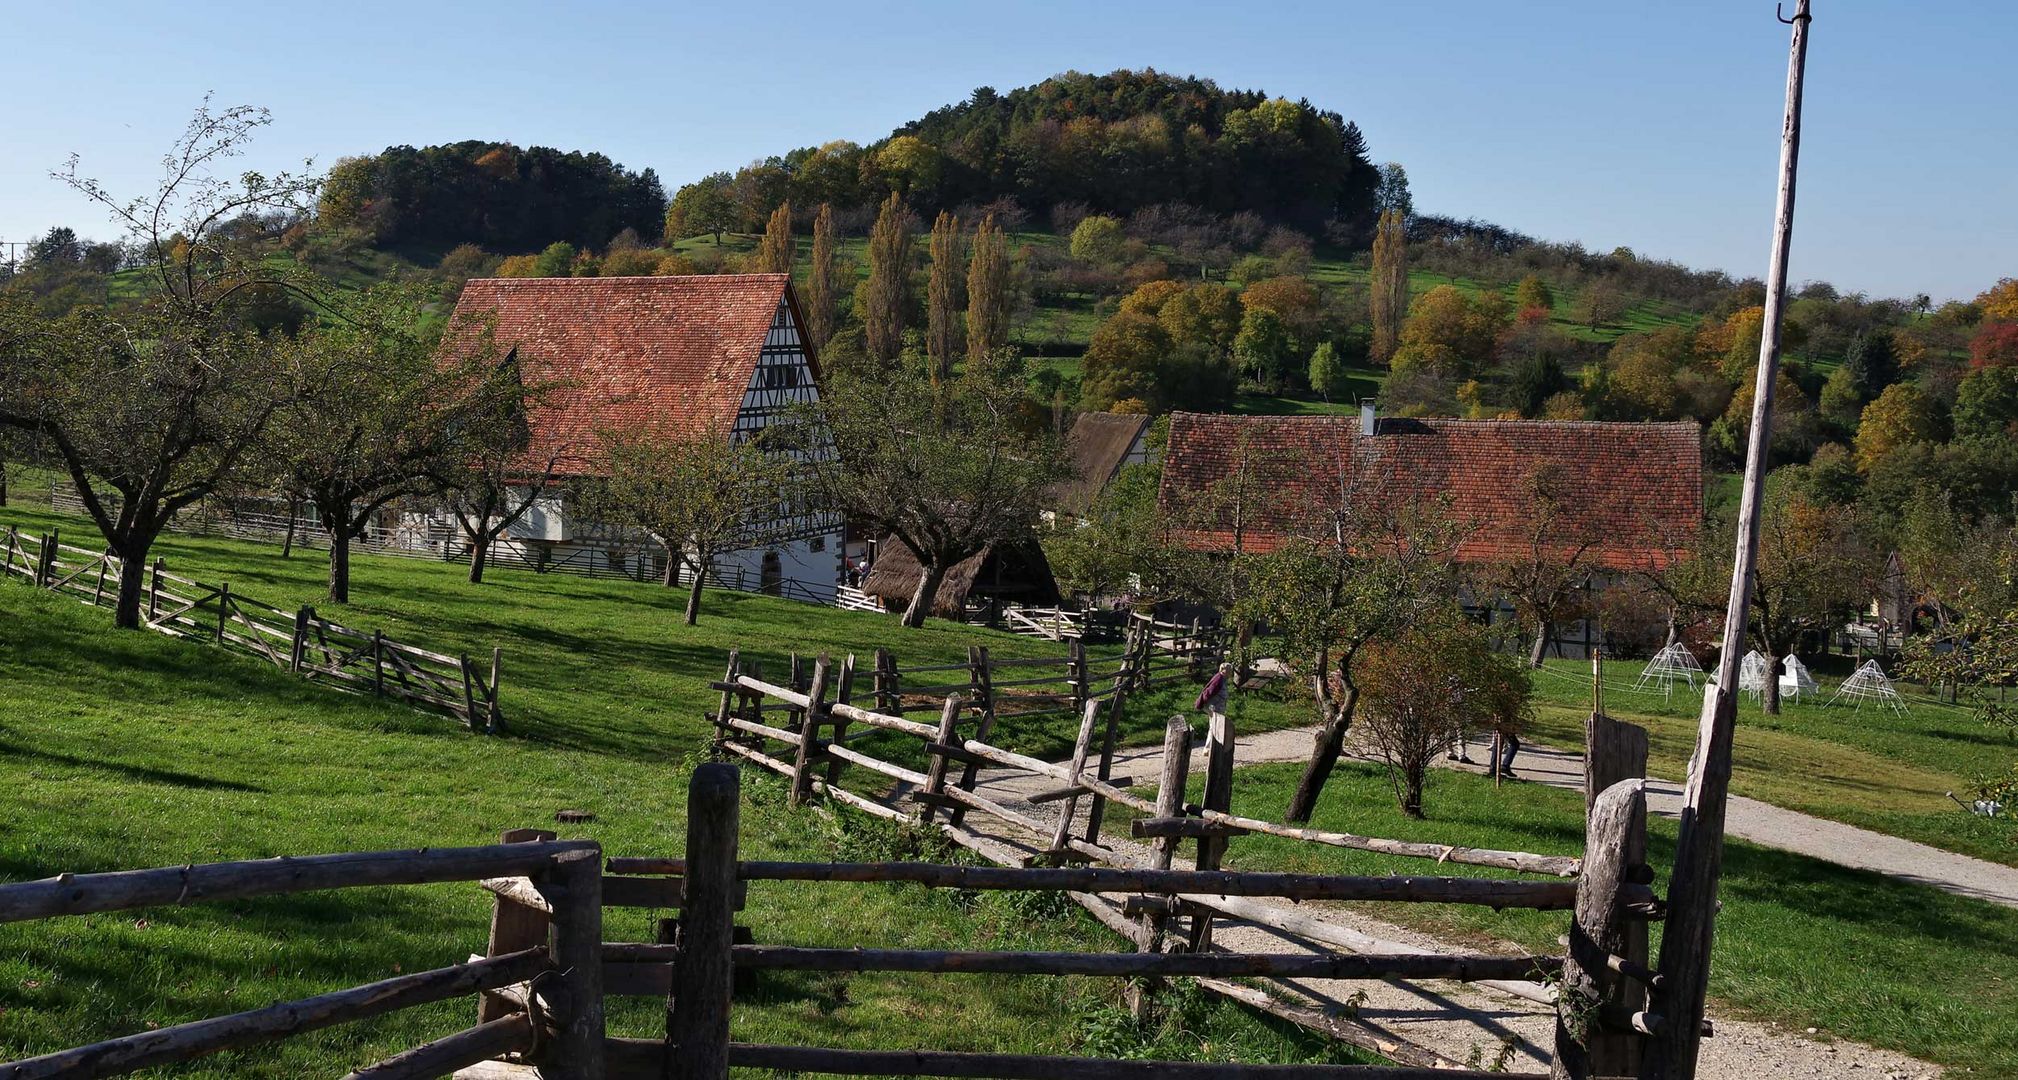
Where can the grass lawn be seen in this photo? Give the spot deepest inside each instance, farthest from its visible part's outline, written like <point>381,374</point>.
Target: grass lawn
<point>132,749</point>
<point>1800,941</point>
<point>1867,767</point>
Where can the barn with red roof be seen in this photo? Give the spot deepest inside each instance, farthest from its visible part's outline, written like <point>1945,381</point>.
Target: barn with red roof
<point>721,354</point>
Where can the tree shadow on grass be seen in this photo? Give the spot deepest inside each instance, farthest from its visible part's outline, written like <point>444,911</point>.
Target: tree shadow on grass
<point>132,772</point>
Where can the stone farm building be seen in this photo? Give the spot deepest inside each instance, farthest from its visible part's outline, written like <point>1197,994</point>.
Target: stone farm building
<point>1634,491</point>
<point>725,354</point>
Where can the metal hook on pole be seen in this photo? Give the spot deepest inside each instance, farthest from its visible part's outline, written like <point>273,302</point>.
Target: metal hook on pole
<point>1800,13</point>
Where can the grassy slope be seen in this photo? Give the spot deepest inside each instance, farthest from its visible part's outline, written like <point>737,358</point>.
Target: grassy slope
<point>1866,767</point>
<point>131,749</point>
<point>1799,941</point>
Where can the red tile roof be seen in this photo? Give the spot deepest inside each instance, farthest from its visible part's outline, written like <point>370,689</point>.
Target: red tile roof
<point>675,351</point>
<point>1635,490</point>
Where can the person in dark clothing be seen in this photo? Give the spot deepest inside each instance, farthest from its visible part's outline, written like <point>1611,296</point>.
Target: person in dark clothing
<point>1510,744</point>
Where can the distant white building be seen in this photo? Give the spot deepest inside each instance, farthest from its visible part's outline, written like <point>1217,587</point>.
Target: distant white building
<point>724,353</point>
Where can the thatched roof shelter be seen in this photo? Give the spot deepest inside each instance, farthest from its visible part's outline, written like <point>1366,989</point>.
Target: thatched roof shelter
<point>1015,573</point>
<point>1097,446</point>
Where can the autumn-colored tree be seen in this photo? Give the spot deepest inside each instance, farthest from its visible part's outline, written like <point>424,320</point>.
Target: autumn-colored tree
<point>888,289</point>
<point>774,254</point>
<point>987,290</point>
<point>1390,284</point>
<point>942,296</point>
<point>1262,349</point>
<point>1533,294</point>
<point>1205,313</point>
<point>1449,331</point>
<point>1151,297</point>
<point>821,300</point>
<point>1543,576</point>
<point>1421,691</point>
<point>1901,416</point>
<point>1121,360</point>
<point>1813,571</point>
<point>2000,301</point>
<point>1644,369</point>
<point>1995,345</point>
<point>1098,239</point>
<point>1792,418</point>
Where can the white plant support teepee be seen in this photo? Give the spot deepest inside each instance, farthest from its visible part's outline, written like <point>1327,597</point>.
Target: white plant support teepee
<point>1869,683</point>
<point>1671,665</point>
<point>1795,682</point>
<point>1753,672</point>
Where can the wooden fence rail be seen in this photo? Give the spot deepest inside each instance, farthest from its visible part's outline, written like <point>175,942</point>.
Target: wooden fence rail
<point>569,999</point>
<point>302,641</point>
<point>1611,910</point>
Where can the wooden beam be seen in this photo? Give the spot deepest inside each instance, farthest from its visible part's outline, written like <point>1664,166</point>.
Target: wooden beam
<point>497,1038</point>
<point>83,894</point>
<point>182,1042</point>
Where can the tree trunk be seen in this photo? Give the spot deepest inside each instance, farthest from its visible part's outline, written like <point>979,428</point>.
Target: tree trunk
<point>3,482</point>
<point>1770,694</point>
<point>479,556</point>
<point>929,575</point>
<point>1330,742</point>
<point>1411,801</point>
<point>339,565</point>
<point>694,598</point>
<point>672,575</point>
<point>132,590</point>
<point>287,542</point>
<point>1541,645</point>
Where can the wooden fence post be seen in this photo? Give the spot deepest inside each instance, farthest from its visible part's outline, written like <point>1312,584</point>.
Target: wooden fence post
<point>469,695</point>
<point>301,632</point>
<point>154,591</point>
<point>98,594</point>
<point>935,773</point>
<point>513,927</point>
<point>731,699</point>
<point>697,1020</point>
<point>1218,795</point>
<point>42,561</point>
<point>1115,704</point>
<point>1613,751</point>
<point>980,683</point>
<point>844,694</point>
<point>494,716</point>
<point>1081,746</point>
<point>1169,804</point>
<point>1075,666</point>
<point>1600,1007</point>
<point>378,663</point>
<point>223,608</point>
<point>810,722</point>
<point>577,1049</point>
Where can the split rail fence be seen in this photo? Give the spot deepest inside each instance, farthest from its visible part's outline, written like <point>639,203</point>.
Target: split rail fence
<point>804,732</point>
<point>301,641</point>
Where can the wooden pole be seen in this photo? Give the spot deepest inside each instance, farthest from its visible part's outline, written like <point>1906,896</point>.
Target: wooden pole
<point>1595,990</point>
<point>1081,746</point>
<point>223,608</point>
<point>1218,796</point>
<point>494,718</point>
<point>1169,803</point>
<point>513,927</point>
<point>577,946</point>
<point>810,721</point>
<point>980,679</point>
<point>697,1020</point>
<point>1699,842</point>
<point>154,591</point>
<point>1076,667</point>
<point>844,694</point>
<point>729,696</point>
<point>469,694</point>
<point>935,773</point>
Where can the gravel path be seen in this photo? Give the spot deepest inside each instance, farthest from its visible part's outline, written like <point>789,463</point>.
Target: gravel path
<point>1748,819</point>
<point>1460,1022</point>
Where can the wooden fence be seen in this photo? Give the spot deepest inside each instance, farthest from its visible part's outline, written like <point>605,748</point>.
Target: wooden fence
<point>546,971</point>
<point>561,973</point>
<point>301,641</point>
<point>1602,980</point>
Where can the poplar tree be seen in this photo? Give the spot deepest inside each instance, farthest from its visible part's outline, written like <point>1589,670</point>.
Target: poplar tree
<point>942,326</point>
<point>774,255</point>
<point>1390,284</point>
<point>987,290</point>
<point>889,279</point>
<point>820,283</point>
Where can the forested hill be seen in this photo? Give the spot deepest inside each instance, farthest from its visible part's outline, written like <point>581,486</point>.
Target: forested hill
<point>1129,139</point>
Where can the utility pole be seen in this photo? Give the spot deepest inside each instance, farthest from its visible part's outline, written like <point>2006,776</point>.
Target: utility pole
<point>1692,890</point>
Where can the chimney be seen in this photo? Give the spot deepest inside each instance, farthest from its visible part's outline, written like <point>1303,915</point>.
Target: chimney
<point>1366,416</point>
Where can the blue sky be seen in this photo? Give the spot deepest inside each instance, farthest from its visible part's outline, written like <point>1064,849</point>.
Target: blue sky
<point>1652,125</point>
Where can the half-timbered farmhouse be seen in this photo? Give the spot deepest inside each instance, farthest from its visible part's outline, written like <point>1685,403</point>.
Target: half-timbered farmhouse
<point>724,354</point>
